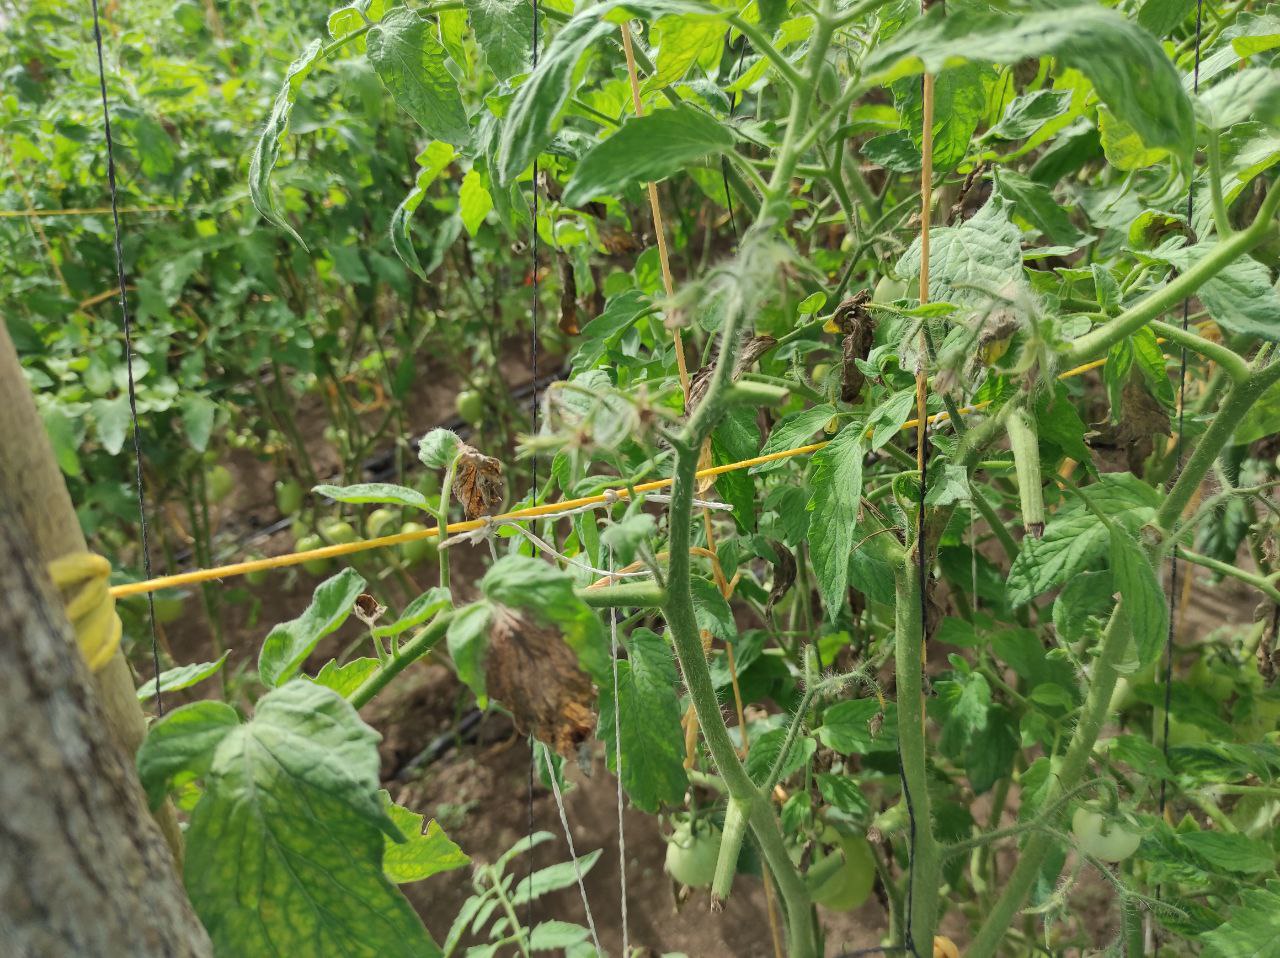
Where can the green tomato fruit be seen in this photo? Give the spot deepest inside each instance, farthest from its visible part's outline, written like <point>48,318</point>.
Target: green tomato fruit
<point>337,531</point>
<point>428,483</point>
<point>218,483</point>
<point>258,576</point>
<point>1215,683</point>
<point>851,885</point>
<point>821,372</point>
<point>306,544</point>
<point>691,856</point>
<point>828,82</point>
<point>471,407</point>
<point>288,496</point>
<point>1110,841</point>
<point>1185,733</point>
<point>380,520</point>
<point>169,605</point>
<point>418,550</point>
<point>889,290</point>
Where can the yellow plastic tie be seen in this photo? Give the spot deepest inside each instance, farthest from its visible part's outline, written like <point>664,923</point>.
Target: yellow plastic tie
<point>83,579</point>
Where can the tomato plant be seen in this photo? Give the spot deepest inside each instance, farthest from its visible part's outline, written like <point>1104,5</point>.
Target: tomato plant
<point>928,662</point>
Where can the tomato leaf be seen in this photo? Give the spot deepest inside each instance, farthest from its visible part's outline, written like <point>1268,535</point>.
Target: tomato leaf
<point>267,151</point>
<point>503,29</point>
<point>368,492</point>
<point>298,783</point>
<point>288,644</point>
<point>833,511</point>
<point>794,430</point>
<point>182,677</point>
<point>404,51</point>
<point>345,679</point>
<point>468,638</point>
<point>1252,928</point>
<point>652,754</point>
<point>973,263</point>
<point>424,854</point>
<point>525,583</point>
<point>528,124</point>
<point>183,740</point>
<point>646,149</point>
<point>1073,536</point>
<point>1126,65</point>
<point>431,162</point>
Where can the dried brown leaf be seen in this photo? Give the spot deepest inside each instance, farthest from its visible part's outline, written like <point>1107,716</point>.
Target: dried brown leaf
<point>568,297</point>
<point>536,676</point>
<point>857,324</point>
<point>784,575</point>
<point>478,484</point>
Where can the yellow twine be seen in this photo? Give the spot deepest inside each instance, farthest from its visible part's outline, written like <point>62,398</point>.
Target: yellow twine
<point>82,578</point>
<point>531,512</point>
<point>83,211</point>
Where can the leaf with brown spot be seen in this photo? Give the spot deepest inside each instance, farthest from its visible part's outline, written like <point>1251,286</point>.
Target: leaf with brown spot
<point>1142,418</point>
<point>478,484</point>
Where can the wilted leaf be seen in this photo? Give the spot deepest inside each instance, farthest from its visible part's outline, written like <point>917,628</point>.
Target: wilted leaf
<point>478,484</point>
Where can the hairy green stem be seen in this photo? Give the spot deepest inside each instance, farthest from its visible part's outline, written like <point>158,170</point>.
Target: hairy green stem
<point>1225,568</point>
<point>926,866</point>
<point>410,652</point>
<point>1237,402</point>
<point>1232,363</point>
<point>624,595</point>
<point>1221,222</point>
<point>1096,342</point>
<point>1115,640</point>
<point>1070,768</point>
<point>442,521</point>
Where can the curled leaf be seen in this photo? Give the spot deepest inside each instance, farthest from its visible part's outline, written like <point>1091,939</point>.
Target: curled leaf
<point>855,321</point>
<point>478,484</point>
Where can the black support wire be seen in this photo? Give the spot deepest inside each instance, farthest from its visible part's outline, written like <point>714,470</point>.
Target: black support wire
<point>128,348</point>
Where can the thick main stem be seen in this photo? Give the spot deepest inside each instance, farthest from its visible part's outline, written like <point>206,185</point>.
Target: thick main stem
<point>683,629</point>
<point>925,867</point>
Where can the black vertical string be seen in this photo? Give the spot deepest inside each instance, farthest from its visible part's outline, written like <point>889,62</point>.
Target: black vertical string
<point>1182,405</point>
<point>724,160</point>
<point>533,461</point>
<point>128,349</point>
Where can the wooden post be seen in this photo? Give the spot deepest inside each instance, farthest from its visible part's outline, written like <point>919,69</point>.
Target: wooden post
<point>32,487</point>
<point>83,869</point>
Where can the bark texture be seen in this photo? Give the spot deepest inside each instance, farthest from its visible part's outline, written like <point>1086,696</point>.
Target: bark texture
<point>32,485</point>
<point>84,870</point>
